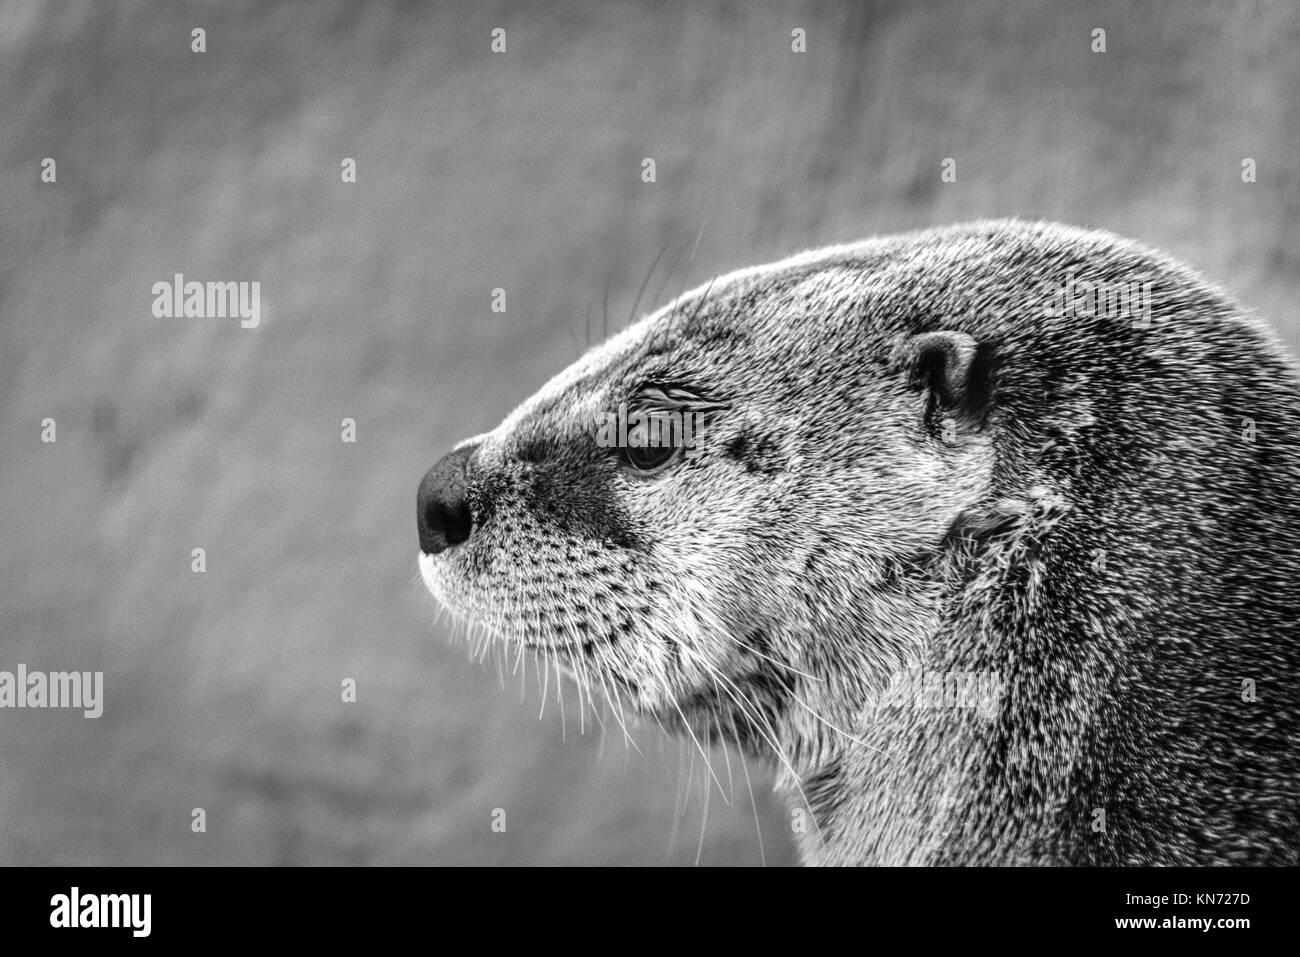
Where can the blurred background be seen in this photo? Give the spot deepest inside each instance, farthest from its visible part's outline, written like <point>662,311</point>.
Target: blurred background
<point>475,171</point>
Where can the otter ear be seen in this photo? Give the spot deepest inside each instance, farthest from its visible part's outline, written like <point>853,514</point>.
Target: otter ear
<point>953,370</point>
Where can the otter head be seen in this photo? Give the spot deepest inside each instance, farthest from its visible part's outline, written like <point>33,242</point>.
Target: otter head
<point>768,560</point>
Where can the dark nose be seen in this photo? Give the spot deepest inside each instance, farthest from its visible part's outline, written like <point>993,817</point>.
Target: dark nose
<point>441,509</point>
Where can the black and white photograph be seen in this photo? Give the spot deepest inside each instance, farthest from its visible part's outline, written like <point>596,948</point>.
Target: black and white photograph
<point>683,434</point>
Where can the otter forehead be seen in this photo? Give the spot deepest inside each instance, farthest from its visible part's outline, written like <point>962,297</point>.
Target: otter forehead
<point>740,316</point>
<point>771,331</point>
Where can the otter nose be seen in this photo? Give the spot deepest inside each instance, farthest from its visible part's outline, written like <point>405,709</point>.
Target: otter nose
<point>441,509</point>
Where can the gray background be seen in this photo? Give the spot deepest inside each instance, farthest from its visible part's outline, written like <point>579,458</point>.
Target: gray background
<point>476,171</point>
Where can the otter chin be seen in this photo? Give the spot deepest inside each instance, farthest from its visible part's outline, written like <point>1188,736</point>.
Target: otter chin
<point>985,536</point>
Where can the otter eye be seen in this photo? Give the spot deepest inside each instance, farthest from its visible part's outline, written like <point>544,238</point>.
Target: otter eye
<point>651,443</point>
<point>649,457</point>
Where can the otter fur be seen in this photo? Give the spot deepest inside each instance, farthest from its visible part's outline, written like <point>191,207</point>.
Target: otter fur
<point>1045,456</point>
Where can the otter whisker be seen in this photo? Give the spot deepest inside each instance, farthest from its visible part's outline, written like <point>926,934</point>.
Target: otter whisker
<point>741,700</point>
<point>546,681</point>
<point>618,712</point>
<point>644,282</point>
<point>627,738</point>
<point>699,747</point>
<point>840,731</point>
<point>682,788</point>
<point>704,823</point>
<point>703,299</point>
<point>726,754</point>
<point>776,661</point>
<point>749,786</point>
<point>677,262</point>
<point>559,694</point>
<point>586,679</point>
<point>538,677</point>
<point>623,716</point>
<point>582,708</point>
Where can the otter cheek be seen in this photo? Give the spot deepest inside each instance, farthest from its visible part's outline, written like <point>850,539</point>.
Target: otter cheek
<point>920,498</point>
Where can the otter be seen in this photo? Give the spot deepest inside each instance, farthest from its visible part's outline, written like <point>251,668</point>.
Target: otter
<point>1047,457</point>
